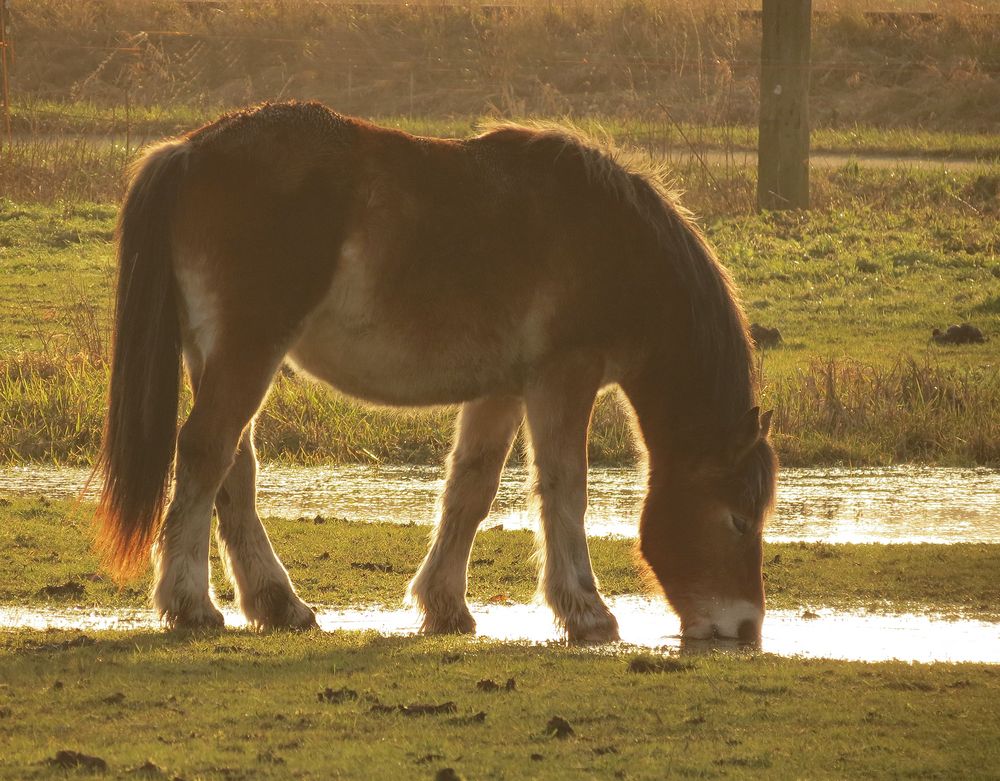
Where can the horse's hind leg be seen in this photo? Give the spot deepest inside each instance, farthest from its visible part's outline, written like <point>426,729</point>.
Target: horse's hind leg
<point>559,403</point>
<point>484,434</point>
<point>227,394</point>
<point>263,589</point>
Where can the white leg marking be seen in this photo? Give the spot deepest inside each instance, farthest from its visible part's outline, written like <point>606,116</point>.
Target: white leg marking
<point>484,434</point>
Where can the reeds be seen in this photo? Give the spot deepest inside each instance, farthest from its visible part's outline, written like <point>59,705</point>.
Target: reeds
<point>832,412</point>
<point>549,57</point>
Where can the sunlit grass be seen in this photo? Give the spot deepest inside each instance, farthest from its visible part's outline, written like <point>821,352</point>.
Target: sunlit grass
<point>340,563</point>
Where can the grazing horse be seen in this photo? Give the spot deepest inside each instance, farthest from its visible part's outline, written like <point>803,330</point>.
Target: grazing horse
<point>515,273</point>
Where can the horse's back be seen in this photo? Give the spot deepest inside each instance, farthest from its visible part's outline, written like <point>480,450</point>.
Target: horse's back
<point>413,270</point>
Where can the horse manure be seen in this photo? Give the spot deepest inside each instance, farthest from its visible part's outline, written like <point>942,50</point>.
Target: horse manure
<point>489,685</point>
<point>447,774</point>
<point>424,709</point>
<point>537,757</point>
<point>657,664</point>
<point>268,757</point>
<point>765,338</point>
<point>336,696</point>
<point>77,642</point>
<point>114,699</point>
<point>68,590</point>
<point>371,566</point>
<point>474,718</point>
<point>68,760</point>
<point>966,333</point>
<point>148,769</point>
<point>560,728</point>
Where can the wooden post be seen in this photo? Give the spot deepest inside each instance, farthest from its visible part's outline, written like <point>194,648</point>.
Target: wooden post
<point>783,144</point>
<point>4,64</point>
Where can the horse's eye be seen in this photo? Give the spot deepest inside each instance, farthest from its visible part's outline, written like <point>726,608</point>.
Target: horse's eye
<point>740,523</point>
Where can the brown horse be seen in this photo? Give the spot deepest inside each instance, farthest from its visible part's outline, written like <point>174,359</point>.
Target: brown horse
<point>515,273</point>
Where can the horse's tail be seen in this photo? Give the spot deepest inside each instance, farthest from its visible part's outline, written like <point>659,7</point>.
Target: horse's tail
<point>140,428</point>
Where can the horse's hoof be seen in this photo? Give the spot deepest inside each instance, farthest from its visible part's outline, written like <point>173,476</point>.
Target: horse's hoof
<point>207,618</point>
<point>278,608</point>
<point>455,623</point>
<point>595,631</point>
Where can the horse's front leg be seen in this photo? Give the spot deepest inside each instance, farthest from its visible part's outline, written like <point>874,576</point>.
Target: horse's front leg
<point>264,591</point>
<point>485,430</point>
<point>559,401</point>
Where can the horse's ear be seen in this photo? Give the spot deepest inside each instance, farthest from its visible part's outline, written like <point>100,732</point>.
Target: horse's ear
<point>748,432</point>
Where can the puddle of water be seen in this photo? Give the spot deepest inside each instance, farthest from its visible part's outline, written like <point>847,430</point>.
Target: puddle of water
<point>892,504</point>
<point>644,623</point>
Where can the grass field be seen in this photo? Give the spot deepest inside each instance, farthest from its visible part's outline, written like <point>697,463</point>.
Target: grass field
<point>855,286</point>
<point>347,705</point>
<point>248,706</point>
<point>47,558</point>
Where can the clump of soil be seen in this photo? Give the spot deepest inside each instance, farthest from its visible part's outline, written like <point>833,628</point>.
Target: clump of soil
<point>656,664</point>
<point>416,709</point>
<point>560,728</point>
<point>371,566</point>
<point>966,333</point>
<point>68,760</point>
<point>336,696</point>
<point>765,338</point>
<point>489,685</point>
<point>68,590</point>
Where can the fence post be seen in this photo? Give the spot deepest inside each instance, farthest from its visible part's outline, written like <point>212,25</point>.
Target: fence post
<point>783,143</point>
<point>4,78</point>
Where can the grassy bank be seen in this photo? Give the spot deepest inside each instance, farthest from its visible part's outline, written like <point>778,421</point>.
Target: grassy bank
<point>42,122</point>
<point>855,287</point>
<point>246,706</point>
<point>46,557</point>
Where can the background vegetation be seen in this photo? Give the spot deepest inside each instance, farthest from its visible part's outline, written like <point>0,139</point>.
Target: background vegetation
<point>902,239</point>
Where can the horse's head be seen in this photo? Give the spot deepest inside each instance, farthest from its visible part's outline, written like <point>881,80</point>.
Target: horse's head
<point>701,533</point>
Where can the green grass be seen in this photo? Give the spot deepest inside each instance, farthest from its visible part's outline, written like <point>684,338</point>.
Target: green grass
<point>855,287</point>
<point>52,120</point>
<point>247,706</point>
<point>48,544</point>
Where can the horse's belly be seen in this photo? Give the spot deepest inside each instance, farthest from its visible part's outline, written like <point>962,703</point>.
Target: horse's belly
<point>389,368</point>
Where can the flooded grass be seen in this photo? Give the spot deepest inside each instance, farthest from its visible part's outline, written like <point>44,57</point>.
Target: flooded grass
<point>46,558</point>
<point>359,705</point>
<point>901,504</point>
<point>644,622</point>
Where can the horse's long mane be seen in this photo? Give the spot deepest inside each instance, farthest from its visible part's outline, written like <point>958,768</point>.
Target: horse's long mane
<point>719,337</point>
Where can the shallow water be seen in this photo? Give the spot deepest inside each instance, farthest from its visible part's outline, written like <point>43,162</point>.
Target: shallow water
<point>889,505</point>
<point>644,623</point>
